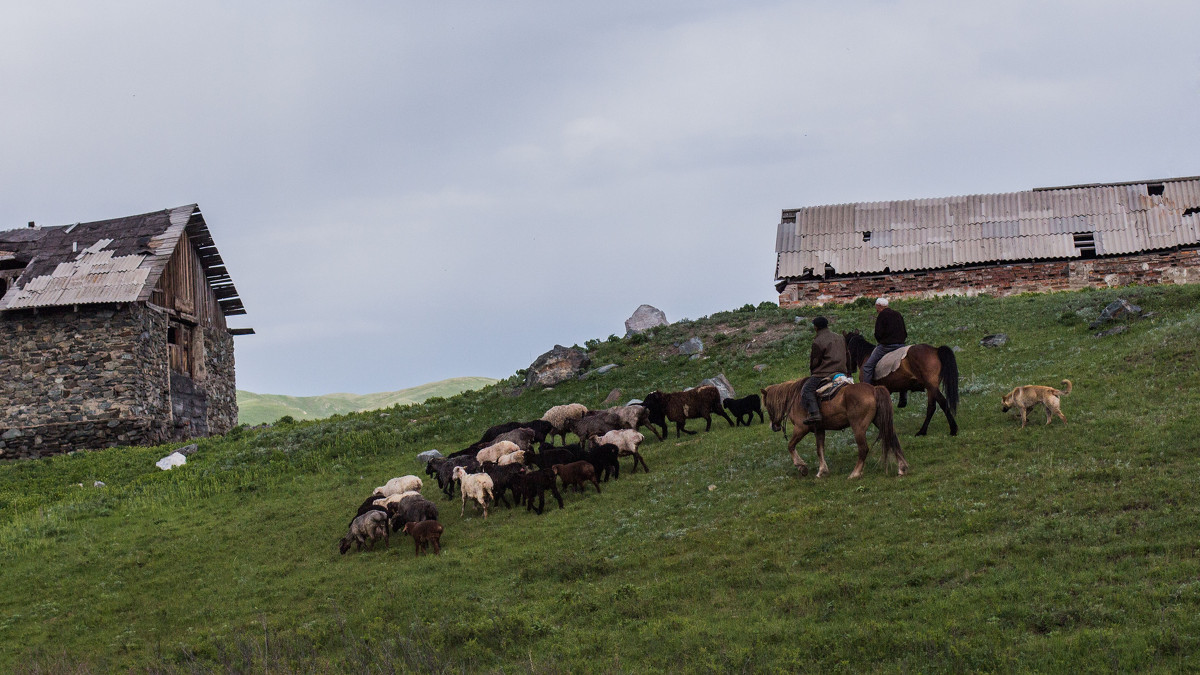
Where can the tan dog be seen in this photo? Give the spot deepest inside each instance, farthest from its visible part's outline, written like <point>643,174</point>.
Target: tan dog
<point>1024,398</point>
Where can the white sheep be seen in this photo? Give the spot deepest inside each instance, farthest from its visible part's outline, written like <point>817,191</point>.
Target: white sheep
<point>477,486</point>
<point>392,499</point>
<point>517,457</point>
<point>561,416</point>
<point>493,453</point>
<point>398,485</point>
<point>627,442</point>
<point>633,417</point>
<point>366,529</point>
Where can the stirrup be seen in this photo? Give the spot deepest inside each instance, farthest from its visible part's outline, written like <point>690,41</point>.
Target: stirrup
<point>812,420</point>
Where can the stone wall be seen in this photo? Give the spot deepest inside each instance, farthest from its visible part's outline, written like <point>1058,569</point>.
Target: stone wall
<point>1167,267</point>
<point>100,377</point>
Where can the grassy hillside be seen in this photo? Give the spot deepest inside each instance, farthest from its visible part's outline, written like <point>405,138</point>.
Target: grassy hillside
<point>256,409</point>
<point>1045,549</point>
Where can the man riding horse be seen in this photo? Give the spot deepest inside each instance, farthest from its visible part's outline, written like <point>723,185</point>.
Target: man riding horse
<point>890,335</point>
<point>827,358</point>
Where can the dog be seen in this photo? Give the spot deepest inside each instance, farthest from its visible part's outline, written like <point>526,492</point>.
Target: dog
<point>1025,398</point>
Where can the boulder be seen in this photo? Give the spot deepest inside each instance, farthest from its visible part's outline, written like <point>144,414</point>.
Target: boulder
<point>613,397</point>
<point>1116,309</point>
<point>722,384</point>
<point>997,340</point>
<point>424,457</point>
<point>557,365</point>
<point>1115,330</point>
<point>171,461</point>
<point>692,346</point>
<point>598,371</point>
<point>188,450</point>
<point>644,318</point>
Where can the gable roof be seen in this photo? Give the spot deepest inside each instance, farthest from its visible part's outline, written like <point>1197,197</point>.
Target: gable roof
<point>118,260</point>
<point>871,237</point>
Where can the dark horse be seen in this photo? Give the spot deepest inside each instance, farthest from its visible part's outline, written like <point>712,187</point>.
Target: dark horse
<point>855,405</point>
<point>924,368</point>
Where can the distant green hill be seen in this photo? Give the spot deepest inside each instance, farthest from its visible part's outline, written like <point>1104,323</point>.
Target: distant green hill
<point>265,408</point>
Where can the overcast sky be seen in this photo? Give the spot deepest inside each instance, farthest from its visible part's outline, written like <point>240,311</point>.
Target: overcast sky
<point>410,191</point>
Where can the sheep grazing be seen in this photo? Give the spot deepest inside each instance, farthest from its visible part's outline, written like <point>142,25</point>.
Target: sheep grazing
<point>477,486</point>
<point>596,424</point>
<point>627,442</point>
<point>445,469</point>
<point>635,417</point>
<point>398,485</point>
<point>681,406</point>
<point>366,529</point>
<point>523,438</point>
<point>576,474</point>
<point>517,457</point>
<point>493,453</point>
<point>411,509</point>
<point>560,416</point>
<point>539,428</point>
<point>743,409</point>
<point>534,484</point>
<point>425,533</point>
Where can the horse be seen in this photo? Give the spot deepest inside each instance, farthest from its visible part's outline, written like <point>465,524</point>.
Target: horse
<point>854,405</point>
<point>924,368</point>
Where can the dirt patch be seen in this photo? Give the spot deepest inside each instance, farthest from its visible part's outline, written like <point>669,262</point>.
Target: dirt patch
<point>753,337</point>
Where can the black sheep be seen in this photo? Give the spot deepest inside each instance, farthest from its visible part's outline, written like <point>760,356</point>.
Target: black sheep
<point>603,459</point>
<point>743,409</point>
<point>412,509</point>
<point>534,484</point>
<point>504,478</point>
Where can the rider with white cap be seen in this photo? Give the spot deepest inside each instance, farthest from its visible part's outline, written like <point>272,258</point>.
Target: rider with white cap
<point>890,334</point>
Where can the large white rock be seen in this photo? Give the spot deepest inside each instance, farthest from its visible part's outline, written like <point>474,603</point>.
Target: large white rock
<point>644,318</point>
<point>722,384</point>
<point>171,461</point>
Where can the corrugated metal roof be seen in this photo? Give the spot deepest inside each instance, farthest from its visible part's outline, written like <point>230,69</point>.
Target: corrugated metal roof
<point>1038,224</point>
<point>119,260</point>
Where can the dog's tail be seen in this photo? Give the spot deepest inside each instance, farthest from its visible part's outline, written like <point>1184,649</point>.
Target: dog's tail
<point>1064,393</point>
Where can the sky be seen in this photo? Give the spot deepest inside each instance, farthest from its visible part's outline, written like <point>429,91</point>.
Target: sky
<point>410,191</point>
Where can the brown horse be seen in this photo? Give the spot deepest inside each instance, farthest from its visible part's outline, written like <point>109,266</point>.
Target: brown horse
<point>924,368</point>
<point>854,405</point>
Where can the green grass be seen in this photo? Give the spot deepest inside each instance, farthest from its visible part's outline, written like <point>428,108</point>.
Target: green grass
<point>254,409</point>
<point>1046,549</point>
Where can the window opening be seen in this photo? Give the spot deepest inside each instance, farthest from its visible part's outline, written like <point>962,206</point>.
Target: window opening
<point>1085,243</point>
<point>1155,189</point>
<point>867,235</point>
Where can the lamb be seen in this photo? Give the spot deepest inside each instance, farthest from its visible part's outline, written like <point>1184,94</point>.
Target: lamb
<point>576,474</point>
<point>424,533</point>
<point>398,485</point>
<point>517,457</point>
<point>596,424</point>
<point>412,509</point>
<point>477,486</point>
<point>743,409</point>
<point>635,417</point>
<point>367,528</point>
<point>535,483</point>
<point>494,452</point>
<point>603,459</point>
<point>680,406</point>
<point>627,442</point>
<point>560,416</point>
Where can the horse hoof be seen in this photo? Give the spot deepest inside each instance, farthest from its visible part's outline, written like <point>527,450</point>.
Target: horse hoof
<point>922,433</point>
<point>803,471</point>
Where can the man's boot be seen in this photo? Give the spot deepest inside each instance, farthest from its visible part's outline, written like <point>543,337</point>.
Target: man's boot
<point>814,417</point>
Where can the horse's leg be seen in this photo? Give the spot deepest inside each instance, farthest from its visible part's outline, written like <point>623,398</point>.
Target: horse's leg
<point>860,438</point>
<point>823,469</point>
<point>903,400</point>
<point>931,402</point>
<point>800,432</point>
<point>941,400</point>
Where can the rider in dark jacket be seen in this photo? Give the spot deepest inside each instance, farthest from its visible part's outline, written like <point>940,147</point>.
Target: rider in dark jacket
<point>890,335</point>
<point>827,358</point>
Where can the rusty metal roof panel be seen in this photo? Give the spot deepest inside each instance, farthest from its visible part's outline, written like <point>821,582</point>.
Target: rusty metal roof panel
<point>1037,224</point>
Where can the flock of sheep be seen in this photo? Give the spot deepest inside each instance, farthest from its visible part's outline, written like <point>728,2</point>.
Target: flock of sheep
<point>504,461</point>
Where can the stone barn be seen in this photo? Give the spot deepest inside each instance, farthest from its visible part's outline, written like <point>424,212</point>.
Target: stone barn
<point>1045,239</point>
<point>114,333</point>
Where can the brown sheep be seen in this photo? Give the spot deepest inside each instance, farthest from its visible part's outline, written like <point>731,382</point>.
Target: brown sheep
<point>680,406</point>
<point>424,533</point>
<point>596,423</point>
<point>577,473</point>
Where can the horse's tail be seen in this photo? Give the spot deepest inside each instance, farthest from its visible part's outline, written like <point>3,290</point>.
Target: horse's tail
<point>883,422</point>
<point>949,376</point>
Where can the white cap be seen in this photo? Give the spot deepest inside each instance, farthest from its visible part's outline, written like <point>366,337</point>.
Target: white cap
<point>882,301</point>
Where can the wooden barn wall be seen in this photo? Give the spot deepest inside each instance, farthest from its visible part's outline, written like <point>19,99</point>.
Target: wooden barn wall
<point>184,288</point>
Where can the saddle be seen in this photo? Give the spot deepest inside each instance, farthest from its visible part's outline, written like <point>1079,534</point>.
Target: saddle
<point>831,386</point>
<point>890,362</point>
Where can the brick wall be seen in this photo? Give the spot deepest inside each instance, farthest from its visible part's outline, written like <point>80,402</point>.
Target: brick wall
<point>1169,267</point>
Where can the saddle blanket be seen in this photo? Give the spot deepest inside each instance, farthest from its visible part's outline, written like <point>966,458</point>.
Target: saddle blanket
<point>890,362</point>
<point>826,391</point>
